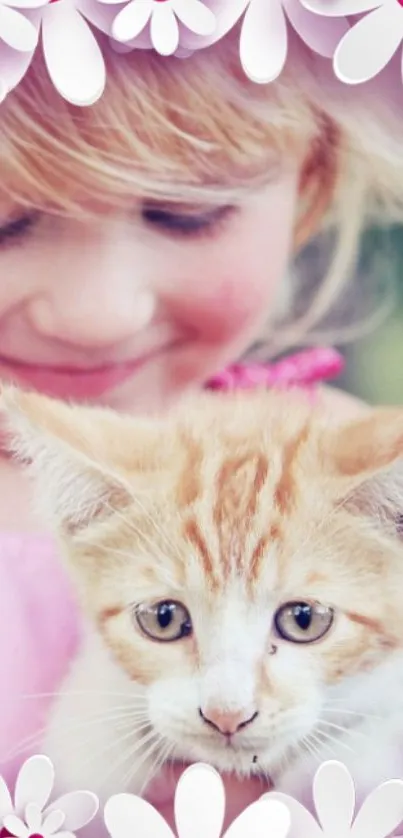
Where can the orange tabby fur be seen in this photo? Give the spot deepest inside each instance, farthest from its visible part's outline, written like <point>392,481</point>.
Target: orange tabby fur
<point>233,506</point>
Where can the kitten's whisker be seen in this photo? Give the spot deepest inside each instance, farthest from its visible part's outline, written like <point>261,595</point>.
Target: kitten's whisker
<point>346,731</point>
<point>113,551</point>
<point>153,748</point>
<point>357,713</point>
<point>320,746</point>
<point>336,740</point>
<point>139,533</point>
<point>161,757</point>
<point>27,743</point>
<point>94,693</point>
<point>128,753</point>
<point>101,752</point>
<point>309,743</point>
<point>128,730</point>
<point>78,722</point>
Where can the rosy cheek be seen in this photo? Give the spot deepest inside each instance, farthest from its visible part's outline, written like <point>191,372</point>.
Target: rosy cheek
<point>225,307</point>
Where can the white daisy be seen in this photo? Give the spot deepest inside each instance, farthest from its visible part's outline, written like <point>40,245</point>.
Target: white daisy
<point>371,42</point>
<point>334,799</point>
<point>264,40</point>
<point>264,32</point>
<point>18,38</point>
<point>199,812</point>
<point>31,813</point>
<point>72,54</point>
<point>163,21</point>
<point>35,824</point>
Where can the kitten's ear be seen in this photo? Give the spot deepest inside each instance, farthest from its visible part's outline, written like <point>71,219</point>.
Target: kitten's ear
<point>65,451</point>
<point>366,457</point>
<point>368,445</point>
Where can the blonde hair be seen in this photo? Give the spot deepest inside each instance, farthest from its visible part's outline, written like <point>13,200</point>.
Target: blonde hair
<point>199,130</point>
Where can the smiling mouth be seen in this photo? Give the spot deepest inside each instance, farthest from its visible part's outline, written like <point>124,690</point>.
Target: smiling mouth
<point>76,382</point>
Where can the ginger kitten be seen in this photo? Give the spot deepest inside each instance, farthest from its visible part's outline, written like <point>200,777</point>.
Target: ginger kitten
<point>240,569</point>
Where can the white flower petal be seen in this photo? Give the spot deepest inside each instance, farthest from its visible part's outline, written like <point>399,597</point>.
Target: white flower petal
<point>199,803</point>
<point>131,20</point>
<point>303,824</point>
<point>381,813</point>
<point>227,14</point>
<point>340,8</point>
<point>33,817</point>
<point>195,16</point>
<point>126,815</point>
<point>334,797</point>
<point>53,821</point>
<point>34,783</point>
<point>99,14</point>
<point>164,30</point>
<point>15,825</point>
<point>321,34</point>
<point>26,4</point>
<point>117,2</point>
<point>262,819</point>
<point>370,44</point>
<point>78,807</point>
<point>72,54</point>
<point>13,66</point>
<point>6,803</point>
<point>16,30</point>
<point>263,46</point>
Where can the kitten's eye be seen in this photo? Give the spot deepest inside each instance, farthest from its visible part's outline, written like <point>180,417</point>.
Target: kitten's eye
<point>165,621</point>
<point>303,622</point>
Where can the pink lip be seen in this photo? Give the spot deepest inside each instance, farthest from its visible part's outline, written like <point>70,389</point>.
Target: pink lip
<point>69,382</point>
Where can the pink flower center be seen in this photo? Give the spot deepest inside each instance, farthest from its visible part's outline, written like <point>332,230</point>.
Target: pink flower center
<point>4,833</point>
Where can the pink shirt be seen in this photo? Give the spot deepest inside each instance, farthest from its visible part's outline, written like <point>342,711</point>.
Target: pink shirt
<point>38,637</point>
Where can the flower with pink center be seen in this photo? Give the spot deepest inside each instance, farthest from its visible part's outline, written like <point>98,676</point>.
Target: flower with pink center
<point>371,42</point>
<point>71,51</point>
<point>162,21</point>
<point>264,33</point>
<point>31,815</point>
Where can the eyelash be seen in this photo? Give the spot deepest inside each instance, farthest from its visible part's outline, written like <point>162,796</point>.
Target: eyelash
<point>185,225</point>
<point>16,229</point>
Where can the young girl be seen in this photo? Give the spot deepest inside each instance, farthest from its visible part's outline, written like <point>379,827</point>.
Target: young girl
<point>145,243</point>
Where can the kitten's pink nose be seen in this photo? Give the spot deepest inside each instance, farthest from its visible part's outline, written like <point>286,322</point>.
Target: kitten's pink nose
<point>227,722</point>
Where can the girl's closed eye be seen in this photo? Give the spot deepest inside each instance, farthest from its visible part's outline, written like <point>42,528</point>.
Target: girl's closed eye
<point>17,228</point>
<point>178,221</point>
<point>186,221</point>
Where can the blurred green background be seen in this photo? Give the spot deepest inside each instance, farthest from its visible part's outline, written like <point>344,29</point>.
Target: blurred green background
<point>366,320</point>
<point>374,369</point>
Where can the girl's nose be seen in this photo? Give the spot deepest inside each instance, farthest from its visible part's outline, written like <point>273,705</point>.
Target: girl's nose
<point>95,297</point>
